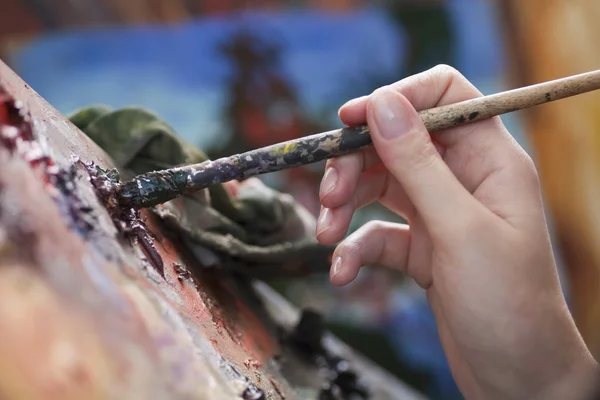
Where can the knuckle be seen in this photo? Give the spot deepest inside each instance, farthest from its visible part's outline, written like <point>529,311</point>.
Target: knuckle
<point>529,165</point>
<point>371,100</point>
<point>366,237</point>
<point>350,247</point>
<point>363,237</point>
<point>381,89</point>
<point>446,70</point>
<point>377,92</point>
<point>422,83</point>
<point>374,226</point>
<point>527,168</point>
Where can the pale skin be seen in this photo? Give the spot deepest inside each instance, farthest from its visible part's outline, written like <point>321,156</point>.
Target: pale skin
<point>476,239</point>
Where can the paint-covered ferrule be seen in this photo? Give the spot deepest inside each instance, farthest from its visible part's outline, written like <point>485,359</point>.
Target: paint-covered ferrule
<point>153,188</point>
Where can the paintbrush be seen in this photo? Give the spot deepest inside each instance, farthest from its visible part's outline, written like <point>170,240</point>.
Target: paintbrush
<point>157,187</point>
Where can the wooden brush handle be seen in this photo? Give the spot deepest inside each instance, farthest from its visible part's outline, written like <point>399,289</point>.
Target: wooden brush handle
<point>161,186</point>
<point>451,115</point>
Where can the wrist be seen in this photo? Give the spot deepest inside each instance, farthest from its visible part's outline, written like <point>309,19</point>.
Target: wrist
<point>576,382</point>
<point>554,364</point>
<point>568,368</point>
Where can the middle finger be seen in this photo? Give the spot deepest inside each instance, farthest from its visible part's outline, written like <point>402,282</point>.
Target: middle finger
<point>372,186</point>
<point>342,175</point>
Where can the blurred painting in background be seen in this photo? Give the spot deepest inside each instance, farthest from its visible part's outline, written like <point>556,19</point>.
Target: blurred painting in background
<point>234,75</point>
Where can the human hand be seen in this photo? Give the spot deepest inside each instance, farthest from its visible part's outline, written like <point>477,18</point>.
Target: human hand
<point>477,238</point>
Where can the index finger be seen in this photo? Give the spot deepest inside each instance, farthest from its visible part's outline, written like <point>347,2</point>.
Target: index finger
<point>435,87</point>
<point>473,151</point>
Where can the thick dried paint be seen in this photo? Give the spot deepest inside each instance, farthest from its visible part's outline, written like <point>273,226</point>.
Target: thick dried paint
<point>66,181</point>
<point>339,380</point>
<point>126,219</point>
<point>137,334</point>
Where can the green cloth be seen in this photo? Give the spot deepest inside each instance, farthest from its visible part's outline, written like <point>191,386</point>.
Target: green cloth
<point>261,232</point>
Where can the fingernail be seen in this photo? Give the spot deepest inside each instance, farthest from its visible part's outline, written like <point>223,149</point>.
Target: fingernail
<point>329,181</point>
<point>324,221</point>
<point>389,114</point>
<point>336,267</point>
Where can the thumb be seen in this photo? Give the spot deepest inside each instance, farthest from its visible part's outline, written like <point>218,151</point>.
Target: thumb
<point>405,148</point>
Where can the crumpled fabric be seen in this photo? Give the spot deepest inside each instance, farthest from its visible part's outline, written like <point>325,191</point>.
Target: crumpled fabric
<point>259,231</point>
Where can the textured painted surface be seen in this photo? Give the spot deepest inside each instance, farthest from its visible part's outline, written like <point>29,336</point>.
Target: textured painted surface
<point>80,318</point>
<point>85,314</point>
<point>549,39</point>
